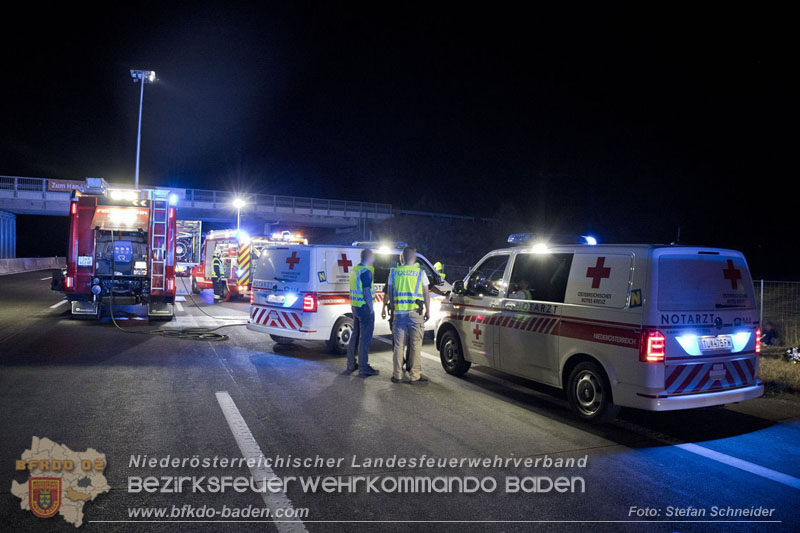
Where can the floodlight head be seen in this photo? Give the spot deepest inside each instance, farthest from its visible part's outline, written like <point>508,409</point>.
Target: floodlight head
<point>148,76</point>
<point>238,203</point>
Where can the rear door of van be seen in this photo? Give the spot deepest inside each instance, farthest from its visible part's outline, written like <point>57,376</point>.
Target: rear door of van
<point>705,309</point>
<point>281,279</point>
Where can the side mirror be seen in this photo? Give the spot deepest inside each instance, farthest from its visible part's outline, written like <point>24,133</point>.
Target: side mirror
<point>458,286</point>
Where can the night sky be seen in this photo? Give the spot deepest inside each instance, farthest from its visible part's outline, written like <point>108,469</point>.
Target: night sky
<point>624,122</point>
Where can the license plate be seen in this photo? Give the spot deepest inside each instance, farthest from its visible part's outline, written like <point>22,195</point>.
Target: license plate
<point>275,298</point>
<point>85,260</point>
<point>721,342</point>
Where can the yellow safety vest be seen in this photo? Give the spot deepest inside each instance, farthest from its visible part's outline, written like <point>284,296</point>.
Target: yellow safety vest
<point>407,289</point>
<point>356,288</point>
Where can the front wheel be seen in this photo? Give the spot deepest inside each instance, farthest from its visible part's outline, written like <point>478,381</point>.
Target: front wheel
<point>589,393</point>
<point>340,335</point>
<point>452,355</point>
<point>195,288</point>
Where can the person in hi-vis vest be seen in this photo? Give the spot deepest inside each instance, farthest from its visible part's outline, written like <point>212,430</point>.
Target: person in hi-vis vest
<point>410,302</point>
<point>362,297</point>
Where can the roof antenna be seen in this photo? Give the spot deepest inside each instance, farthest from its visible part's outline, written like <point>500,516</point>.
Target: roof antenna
<point>678,237</point>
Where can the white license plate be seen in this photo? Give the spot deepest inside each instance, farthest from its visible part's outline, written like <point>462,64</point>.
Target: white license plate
<point>85,260</point>
<point>276,298</point>
<point>720,342</point>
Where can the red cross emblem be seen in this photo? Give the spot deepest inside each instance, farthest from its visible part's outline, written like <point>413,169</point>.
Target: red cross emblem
<point>292,260</point>
<point>598,272</point>
<point>345,263</point>
<point>477,331</point>
<point>732,273</point>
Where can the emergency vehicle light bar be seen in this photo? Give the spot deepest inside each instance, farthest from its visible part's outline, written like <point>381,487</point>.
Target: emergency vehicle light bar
<point>378,244</point>
<point>529,238</point>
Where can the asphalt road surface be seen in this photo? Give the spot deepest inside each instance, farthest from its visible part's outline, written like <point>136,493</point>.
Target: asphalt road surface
<point>90,385</point>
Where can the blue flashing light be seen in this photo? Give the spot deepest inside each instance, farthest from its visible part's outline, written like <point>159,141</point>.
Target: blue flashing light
<point>173,199</point>
<point>591,241</point>
<point>289,299</point>
<point>239,272</point>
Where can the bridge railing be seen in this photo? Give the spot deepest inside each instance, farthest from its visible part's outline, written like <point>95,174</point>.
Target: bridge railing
<point>218,199</point>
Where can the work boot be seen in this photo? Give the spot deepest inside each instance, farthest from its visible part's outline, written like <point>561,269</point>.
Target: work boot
<point>367,372</point>
<point>395,380</point>
<point>351,370</point>
<point>420,381</point>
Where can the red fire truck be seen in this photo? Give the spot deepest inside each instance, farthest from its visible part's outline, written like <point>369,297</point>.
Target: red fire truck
<point>236,249</point>
<point>121,250</point>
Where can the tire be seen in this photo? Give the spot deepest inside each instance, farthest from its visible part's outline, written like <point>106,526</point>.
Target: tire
<point>589,393</point>
<point>281,340</point>
<point>195,288</point>
<point>340,335</point>
<point>452,355</point>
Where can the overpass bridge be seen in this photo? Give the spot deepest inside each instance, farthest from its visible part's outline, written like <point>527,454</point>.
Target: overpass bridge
<point>41,196</point>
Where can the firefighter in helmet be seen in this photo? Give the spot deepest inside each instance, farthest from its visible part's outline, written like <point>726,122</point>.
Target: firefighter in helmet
<point>217,274</point>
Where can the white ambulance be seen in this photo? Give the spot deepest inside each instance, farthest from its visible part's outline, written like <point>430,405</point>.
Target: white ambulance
<point>645,326</point>
<point>303,292</point>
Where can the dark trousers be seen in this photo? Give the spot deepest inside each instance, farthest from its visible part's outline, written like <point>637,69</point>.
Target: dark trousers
<point>363,326</point>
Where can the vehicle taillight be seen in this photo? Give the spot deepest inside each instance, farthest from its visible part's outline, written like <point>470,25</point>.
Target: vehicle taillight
<point>252,294</point>
<point>651,349</point>
<point>68,282</point>
<point>73,208</point>
<point>310,303</point>
<point>170,284</point>
<point>758,340</point>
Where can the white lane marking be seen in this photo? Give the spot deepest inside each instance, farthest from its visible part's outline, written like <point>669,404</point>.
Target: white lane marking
<point>179,306</point>
<point>735,462</point>
<point>62,302</point>
<point>180,298</point>
<point>251,450</point>
<point>729,460</point>
<point>45,279</point>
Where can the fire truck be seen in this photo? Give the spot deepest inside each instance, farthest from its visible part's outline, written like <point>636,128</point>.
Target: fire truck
<point>235,248</point>
<point>121,251</point>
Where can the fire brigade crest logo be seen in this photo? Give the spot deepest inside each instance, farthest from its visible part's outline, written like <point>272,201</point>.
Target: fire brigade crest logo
<point>44,495</point>
<point>61,481</point>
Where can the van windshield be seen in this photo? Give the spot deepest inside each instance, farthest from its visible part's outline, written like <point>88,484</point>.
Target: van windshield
<point>700,282</point>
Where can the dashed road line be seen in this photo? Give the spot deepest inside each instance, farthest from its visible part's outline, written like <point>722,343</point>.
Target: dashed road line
<point>251,450</point>
<point>47,278</point>
<point>179,306</point>
<point>58,304</point>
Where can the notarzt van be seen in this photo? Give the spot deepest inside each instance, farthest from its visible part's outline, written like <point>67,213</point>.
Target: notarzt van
<point>303,292</point>
<point>644,326</point>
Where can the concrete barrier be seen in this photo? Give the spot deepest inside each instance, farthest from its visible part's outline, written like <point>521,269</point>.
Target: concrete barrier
<point>29,264</point>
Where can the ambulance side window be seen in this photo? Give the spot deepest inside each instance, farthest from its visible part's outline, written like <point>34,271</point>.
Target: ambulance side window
<point>541,277</point>
<point>487,278</point>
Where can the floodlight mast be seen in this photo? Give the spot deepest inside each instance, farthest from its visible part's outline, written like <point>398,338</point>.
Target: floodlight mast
<point>140,76</point>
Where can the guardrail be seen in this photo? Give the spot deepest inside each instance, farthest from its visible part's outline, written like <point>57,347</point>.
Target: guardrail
<point>28,264</point>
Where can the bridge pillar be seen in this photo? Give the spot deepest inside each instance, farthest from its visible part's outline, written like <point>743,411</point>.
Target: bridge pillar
<point>8,235</point>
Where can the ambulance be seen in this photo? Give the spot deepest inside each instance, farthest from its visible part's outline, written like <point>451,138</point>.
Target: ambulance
<point>121,250</point>
<point>236,249</point>
<point>303,292</point>
<point>654,327</point>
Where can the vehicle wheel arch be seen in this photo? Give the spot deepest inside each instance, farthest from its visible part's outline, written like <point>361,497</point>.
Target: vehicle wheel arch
<point>446,326</point>
<point>579,357</point>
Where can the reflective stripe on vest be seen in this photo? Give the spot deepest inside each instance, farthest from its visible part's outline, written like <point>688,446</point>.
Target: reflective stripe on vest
<point>356,287</point>
<point>406,287</point>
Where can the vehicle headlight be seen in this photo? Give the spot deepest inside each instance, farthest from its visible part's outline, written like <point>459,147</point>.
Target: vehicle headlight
<point>96,289</point>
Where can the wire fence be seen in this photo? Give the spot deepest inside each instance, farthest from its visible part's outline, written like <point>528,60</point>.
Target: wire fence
<point>779,309</point>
